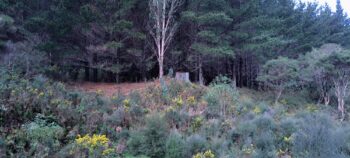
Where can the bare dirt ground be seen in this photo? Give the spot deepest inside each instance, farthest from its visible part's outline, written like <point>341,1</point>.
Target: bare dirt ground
<point>108,89</point>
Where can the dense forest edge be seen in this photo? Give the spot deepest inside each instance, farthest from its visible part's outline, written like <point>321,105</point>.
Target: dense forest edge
<point>268,79</point>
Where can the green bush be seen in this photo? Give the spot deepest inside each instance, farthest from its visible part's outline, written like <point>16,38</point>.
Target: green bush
<point>136,143</point>
<point>175,146</point>
<point>318,137</point>
<point>221,99</point>
<point>195,144</point>
<point>39,138</point>
<point>44,130</point>
<point>135,98</point>
<point>257,136</point>
<point>150,141</point>
<point>155,136</point>
<point>176,118</point>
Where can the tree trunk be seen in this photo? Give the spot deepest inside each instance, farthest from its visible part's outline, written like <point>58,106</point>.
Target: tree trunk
<point>200,73</point>
<point>117,78</point>
<point>340,92</point>
<point>161,71</point>
<point>341,107</point>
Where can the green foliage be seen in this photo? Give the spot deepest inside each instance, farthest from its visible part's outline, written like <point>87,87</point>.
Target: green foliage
<point>221,99</point>
<point>155,136</point>
<point>39,138</point>
<point>176,118</point>
<point>43,130</point>
<point>195,144</point>
<point>136,143</point>
<point>221,80</point>
<point>280,73</point>
<point>317,137</point>
<point>107,40</point>
<point>175,146</point>
<point>7,28</point>
<point>197,123</point>
<point>152,140</point>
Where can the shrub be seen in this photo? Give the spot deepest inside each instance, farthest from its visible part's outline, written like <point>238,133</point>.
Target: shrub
<point>175,88</point>
<point>155,135</point>
<point>195,144</point>
<point>264,137</point>
<point>137,114</point>
<point>258,137</point>
<point>96,145</point>
<point>117,99</point>
<point>136,143</point>
<point>135,98</point>
<point>218,80</point>
<point>197,123</point>
<point>39,138</point>
<point>265,145</point>
<point>219,145</point>
<point>175,146</point>
<point>176,118</point>
<point>221,99</point>
<point>316,137</point>
<point>206,154</point>
<point>286,128</point>
<point>118,118</point>
<point>44,130</point>
<point>178,102</point>
<point>212,128</point>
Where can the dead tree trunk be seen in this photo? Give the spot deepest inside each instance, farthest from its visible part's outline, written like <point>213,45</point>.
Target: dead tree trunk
<point>163,27</point>
<point>341,88</point>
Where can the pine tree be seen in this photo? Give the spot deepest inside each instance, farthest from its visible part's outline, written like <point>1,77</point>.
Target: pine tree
<point>209,21</point>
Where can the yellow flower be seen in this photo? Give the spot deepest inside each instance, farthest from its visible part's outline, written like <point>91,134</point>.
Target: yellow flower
<point>287,139</point>
<point>126,102</point>
<point>198,155</point>
<point>94,142</point>
<point>178,101</point>
<point>284,102</point>
<point>311,108</point>
<point>191,100</point>
<point>257,110</point>
<point>209,154</point>
<point>280,152</point>
<point>107,151</point>
<point>41,94</point>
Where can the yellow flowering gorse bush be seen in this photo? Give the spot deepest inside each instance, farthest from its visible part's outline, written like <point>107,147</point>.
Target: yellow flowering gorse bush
<point>257,110</point>
<point>191,100</point>
<point>94,142</point>
<point>178,101</point>
<point>206,154</point>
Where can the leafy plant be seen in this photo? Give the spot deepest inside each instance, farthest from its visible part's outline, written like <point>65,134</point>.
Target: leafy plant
<point>175,146</point>
<point>221,99</point>
<point>97,145</point>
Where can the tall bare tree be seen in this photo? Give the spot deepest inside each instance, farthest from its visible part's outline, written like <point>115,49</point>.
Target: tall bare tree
<point>162,27</point>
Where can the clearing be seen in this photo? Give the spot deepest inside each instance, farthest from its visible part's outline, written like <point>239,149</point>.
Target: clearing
<point>108,89</point>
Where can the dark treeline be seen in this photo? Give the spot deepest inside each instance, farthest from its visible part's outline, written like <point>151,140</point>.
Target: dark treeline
<point>109,40</point>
